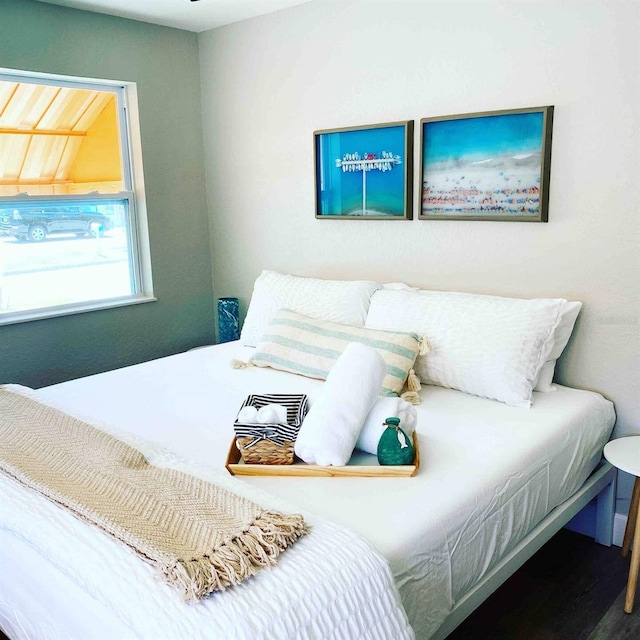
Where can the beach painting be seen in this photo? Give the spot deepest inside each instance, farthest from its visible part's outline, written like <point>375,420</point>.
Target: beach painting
<point>365,172</point>
<point>487,166</point>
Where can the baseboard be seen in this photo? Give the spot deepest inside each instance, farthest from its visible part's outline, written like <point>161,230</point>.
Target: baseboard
<point>619,525</point>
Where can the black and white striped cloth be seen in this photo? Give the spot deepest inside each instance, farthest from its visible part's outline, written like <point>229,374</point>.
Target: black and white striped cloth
<point>297,406</point>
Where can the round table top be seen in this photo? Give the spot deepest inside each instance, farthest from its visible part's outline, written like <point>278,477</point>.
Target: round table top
<point>624,453</point>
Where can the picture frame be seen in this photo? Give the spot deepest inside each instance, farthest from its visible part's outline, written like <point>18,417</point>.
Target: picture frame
<point>364,172</point>
<point>493,165</point>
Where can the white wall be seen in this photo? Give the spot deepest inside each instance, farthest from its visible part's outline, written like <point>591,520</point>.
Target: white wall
<point>268,83</point>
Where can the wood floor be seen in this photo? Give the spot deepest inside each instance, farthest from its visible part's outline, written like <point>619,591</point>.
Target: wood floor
<point>572,589</point>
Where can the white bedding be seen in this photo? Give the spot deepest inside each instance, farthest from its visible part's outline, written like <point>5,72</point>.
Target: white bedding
<point>489,473</point>
<point>319,582</point>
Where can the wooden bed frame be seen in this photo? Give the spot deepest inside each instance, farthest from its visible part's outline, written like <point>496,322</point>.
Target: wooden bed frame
<point>601,485</point>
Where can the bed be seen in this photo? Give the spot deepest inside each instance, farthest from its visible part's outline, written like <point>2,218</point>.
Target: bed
<point>386,557</point>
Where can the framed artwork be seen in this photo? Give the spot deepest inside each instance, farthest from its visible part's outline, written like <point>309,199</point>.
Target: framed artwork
<point>487,166</point>
<point>365,173</point>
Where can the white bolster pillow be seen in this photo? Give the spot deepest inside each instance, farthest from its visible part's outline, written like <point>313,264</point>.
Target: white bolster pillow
<point>329,432</point>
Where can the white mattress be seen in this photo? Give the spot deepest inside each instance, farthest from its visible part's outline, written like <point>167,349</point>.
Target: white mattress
<point>489,472</point>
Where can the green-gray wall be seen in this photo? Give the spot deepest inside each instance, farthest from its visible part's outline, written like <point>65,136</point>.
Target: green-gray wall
<point>164,64</point>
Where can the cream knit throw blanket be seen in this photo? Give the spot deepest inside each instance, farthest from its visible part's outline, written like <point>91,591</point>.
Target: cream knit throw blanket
<point>200,537</point>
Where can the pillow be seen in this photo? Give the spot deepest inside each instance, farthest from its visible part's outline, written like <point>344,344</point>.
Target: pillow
<point>398,286</point>
<point>343,301</point>
<point>487,346</point>
<point>561,335</point>
<point>545,377</point>
<point>310,347</point>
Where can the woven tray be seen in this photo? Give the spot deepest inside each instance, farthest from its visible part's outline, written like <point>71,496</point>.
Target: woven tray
<point>363,465</point>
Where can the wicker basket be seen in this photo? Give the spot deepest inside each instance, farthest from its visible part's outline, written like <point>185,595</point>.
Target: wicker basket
<point>265,451</point>
<point>271,443</point>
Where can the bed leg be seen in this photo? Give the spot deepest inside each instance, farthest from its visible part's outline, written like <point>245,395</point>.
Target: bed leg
<point>605,513</point>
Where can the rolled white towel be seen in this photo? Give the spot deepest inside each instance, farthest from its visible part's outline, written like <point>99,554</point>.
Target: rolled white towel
<point>248,415</point>
<point>329,432</point>
<point>272,414</point>
<point>269,414</point>
<point>374,426</point>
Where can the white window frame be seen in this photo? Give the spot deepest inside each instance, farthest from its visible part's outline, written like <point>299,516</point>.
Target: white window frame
<point>133,192</point>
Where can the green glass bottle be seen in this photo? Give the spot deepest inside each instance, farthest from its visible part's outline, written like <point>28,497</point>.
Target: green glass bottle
<point>395,446</point>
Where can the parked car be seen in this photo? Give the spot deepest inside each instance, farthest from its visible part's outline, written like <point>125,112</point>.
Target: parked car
<point>36,223</point>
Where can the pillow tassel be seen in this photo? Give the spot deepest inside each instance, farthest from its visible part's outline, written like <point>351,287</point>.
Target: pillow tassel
<point>413,382</point>
<point>411,397</point>
<point>425,346</point>
<point>413,385</point>
<point>241,364</point>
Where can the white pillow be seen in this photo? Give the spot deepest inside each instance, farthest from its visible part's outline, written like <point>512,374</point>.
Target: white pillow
<point>342,301</point>
<point>399,286</point>
<point>487,346</point>
<point>561,335</point>
<point>545,377</point>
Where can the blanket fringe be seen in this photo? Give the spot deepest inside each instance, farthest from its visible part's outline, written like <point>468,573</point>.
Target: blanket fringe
<point>238,558</point>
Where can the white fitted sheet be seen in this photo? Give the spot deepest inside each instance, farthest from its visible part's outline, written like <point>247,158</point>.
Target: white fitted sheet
<point>489,472</point>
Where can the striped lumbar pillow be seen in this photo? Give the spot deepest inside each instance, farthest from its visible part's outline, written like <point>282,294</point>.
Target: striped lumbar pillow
<point>299,344</point>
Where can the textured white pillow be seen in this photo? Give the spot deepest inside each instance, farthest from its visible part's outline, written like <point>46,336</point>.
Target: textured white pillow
<point>561,335</point>
<point>545,377</point>
<point>487,346</point>
<point>342,301</point>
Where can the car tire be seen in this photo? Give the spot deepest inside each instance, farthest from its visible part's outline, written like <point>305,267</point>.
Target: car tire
<point>37,233</point>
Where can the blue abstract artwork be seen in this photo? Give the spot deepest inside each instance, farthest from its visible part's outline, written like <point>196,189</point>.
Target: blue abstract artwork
<point>364,172</point>
<point>487,166</point>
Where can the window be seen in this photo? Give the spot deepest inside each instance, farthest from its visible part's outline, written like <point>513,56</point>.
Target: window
<point>72,232</point>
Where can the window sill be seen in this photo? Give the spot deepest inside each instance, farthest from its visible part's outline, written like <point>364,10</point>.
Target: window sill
<point>67,310</point>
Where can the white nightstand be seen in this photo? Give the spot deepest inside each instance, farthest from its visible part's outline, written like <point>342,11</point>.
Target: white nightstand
<point>624,453</point>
